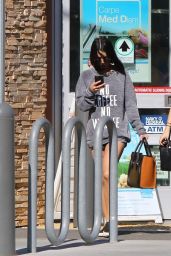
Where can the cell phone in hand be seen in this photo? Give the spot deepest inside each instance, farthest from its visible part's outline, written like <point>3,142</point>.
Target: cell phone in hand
<point>99,78</point>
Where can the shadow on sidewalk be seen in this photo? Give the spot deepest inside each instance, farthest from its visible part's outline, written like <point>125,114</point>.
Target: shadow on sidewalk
<point>137,232</point>
<point>73,243</point>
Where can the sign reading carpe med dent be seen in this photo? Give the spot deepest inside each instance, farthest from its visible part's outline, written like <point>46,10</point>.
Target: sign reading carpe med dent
<point>127,24</point>
<point>118,16</point>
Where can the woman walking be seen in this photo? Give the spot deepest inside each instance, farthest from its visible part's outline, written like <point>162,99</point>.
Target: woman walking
<point>106,89</point>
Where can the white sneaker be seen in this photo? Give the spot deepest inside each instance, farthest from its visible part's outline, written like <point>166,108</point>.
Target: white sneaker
<point>104,232</point>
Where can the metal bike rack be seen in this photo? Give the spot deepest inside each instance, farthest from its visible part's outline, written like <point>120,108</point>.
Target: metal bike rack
<point>88,236</point>
<point>33,170</point>
<point>84,232</point>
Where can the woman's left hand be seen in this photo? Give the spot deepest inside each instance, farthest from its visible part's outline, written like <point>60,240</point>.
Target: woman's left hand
<point>142,136</point>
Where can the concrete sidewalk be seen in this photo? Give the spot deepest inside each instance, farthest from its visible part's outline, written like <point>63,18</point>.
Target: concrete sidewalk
<point>148,241</point>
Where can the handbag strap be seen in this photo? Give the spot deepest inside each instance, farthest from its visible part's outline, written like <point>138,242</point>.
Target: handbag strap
<point>146,146</point>
<point>139,145</point>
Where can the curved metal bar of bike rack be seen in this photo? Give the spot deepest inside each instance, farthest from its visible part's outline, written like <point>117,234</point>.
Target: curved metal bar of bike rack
<point>90,236</point>
<point>87,235</point>
<point>113,182</point>
<point>33,166</point>
<point>33,163</point>
<point>65,195</point>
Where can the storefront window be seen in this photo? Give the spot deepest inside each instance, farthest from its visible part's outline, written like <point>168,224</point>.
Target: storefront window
<point>159,45</point>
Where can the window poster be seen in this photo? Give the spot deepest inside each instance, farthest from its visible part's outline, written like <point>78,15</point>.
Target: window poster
<point>127,23</point>
<point>133,203</point>
<point>136,204</point>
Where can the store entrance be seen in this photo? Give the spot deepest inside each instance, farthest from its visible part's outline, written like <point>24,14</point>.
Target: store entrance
<point>76,53</point>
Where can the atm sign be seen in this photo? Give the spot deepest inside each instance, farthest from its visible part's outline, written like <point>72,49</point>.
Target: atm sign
<point>154,123</point>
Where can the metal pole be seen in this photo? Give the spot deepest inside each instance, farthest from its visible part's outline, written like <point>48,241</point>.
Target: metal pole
<point>7,192</point>
<point>57,77</point>
<point>113,187</point>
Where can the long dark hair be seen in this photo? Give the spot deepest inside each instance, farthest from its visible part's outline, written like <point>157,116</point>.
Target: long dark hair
<point>104,44</point>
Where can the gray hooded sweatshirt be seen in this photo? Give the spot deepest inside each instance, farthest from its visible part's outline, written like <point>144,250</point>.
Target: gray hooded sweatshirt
<point>117,100</point>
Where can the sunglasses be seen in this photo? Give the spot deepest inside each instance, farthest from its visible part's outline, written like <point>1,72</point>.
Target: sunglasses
<point>104,58</point>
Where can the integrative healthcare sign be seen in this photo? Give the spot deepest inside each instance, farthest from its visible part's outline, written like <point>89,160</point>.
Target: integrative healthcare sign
<point>126,23</point>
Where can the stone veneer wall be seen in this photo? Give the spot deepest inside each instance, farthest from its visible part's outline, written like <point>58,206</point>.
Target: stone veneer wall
<point>26,90</point>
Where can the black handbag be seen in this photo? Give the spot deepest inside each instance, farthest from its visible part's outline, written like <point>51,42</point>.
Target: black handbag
<point>142,168</point>
<point>165,155</point>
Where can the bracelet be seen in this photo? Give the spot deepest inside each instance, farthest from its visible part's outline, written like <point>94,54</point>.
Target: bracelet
<point>168,125</point>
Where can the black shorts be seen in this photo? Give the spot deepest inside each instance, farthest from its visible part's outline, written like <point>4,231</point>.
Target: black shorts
<point>121,139</point>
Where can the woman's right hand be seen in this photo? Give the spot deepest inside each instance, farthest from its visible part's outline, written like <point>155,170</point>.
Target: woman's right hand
<point>96,86</point>
<point>165,136</point>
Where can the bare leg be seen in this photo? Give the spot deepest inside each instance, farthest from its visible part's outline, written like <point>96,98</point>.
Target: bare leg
<point>105,178</point>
